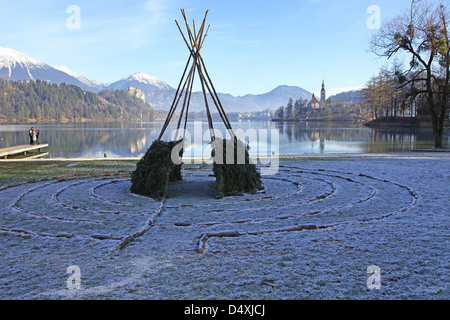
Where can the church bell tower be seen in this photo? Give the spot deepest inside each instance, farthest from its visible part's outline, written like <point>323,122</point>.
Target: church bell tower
<point>323,96</point>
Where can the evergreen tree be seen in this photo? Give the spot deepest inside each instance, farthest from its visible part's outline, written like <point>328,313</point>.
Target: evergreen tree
<point>280,113</point>
<point>289,109</point>
<point>297,109</point>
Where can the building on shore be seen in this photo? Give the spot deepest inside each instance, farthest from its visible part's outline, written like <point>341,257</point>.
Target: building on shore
<point>315,104</point>
<point>323,99</point>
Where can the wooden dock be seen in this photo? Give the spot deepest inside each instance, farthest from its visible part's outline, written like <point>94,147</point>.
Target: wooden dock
<point>23,149</point>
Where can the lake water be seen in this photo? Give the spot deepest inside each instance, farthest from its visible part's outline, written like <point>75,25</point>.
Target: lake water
<point>132,139</point>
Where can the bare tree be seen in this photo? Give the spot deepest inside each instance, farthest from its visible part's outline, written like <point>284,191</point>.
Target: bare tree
<point>381,95</point>
<point>421,33</point>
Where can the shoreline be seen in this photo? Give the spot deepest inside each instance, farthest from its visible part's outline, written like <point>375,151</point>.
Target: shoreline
<point>415,152</point>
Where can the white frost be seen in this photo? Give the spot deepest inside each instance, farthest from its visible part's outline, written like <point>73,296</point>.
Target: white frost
<point>390,211</point>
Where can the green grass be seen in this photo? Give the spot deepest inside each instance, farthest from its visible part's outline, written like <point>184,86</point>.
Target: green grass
<point>15,172</point>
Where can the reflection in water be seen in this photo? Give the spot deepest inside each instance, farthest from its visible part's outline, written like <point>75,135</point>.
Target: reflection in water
<point>322,137</point>
<point>133,139</point>
<point>138,146</point>
<point>87,140</point>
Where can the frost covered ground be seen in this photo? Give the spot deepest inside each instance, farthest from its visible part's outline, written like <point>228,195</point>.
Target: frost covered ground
<point>321,222</point>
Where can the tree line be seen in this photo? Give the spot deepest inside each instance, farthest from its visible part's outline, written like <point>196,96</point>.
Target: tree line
<point>37,100</point>
<point>387,98</point>
<point>293,110</point>
<point>301,109</point>
<point>421,87</point>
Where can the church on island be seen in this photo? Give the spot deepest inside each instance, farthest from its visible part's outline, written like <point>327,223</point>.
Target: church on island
<point>316,104</point>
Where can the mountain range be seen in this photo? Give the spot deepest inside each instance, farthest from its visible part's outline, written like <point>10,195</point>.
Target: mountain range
<point>15,66</point>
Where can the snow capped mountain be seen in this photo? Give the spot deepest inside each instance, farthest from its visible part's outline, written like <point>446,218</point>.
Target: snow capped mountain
<point>95,85</point>
<point>67,70</point>
<point>145,78</point>
<point>15,65</point>
<point>144,81</point>
<point>10,59</point>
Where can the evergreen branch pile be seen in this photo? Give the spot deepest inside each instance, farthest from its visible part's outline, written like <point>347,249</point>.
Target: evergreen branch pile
<point>155,170</point>
<point>234,172</point>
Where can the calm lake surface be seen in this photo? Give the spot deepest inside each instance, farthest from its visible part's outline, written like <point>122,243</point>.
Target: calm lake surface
<point>132,139</point>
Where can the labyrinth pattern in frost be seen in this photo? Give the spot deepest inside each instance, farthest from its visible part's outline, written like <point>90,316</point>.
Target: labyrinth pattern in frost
<point>101,208</point>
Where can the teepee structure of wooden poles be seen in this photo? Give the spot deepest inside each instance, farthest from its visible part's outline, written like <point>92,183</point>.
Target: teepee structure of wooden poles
<point>195,65</point>
<point>157,169</point>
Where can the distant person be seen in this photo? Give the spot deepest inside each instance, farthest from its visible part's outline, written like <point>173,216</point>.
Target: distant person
<point>33,136</point>
<point>38,133</point>
<point>31,133</point>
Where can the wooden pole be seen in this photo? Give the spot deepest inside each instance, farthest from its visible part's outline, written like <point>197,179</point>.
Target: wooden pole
<point>173,107</point>
<point>187,94</point>
<point>194,48</point>
<point>194,42</point>
<point>212,92</point>
<point>221,111</point>
<point>187,108</point>
<point>191,75</point>
<point>178,94</point>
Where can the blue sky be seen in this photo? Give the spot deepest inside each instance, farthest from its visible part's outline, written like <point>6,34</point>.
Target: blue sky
<point>252,46</point>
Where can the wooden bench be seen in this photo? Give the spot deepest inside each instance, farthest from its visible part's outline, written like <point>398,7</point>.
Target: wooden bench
<point>8,151</point>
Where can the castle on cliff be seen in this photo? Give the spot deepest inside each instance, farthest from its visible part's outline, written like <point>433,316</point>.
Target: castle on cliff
<point>137,92</point>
